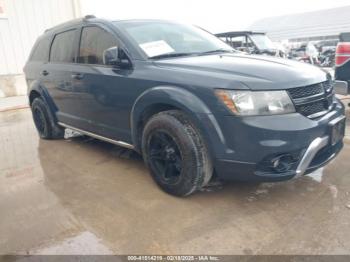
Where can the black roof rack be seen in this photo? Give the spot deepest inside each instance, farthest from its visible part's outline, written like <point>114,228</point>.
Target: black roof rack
<point>77,20</point>
<point>238,33</point>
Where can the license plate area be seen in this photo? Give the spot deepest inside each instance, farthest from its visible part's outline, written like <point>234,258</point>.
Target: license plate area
<point>337,131</point>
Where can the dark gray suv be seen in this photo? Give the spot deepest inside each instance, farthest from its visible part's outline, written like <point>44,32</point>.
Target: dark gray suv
<point>189,103</point>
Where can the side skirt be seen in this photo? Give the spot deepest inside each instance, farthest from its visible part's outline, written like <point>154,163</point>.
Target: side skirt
<point>119,143</point>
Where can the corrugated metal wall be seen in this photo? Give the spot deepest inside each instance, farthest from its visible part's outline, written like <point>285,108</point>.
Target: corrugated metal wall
<point>25,20</point>
<point>329,22</point>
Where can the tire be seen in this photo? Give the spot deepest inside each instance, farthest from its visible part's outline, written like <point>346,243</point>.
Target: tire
<point>44,121</point>
<point>175,153</point>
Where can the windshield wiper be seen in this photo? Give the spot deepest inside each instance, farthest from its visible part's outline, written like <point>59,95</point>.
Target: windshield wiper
<point>171,55</point>
<point>217,51</point>
<point>167,55</point>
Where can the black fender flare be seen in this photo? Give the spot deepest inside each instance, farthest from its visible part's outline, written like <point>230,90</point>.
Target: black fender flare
<point>37,87</point>
<point>184,100</point>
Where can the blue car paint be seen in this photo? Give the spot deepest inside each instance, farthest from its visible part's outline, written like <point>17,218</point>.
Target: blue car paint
<point>111,102</point>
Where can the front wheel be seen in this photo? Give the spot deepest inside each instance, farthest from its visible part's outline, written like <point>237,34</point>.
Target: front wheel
<point>175,153</point>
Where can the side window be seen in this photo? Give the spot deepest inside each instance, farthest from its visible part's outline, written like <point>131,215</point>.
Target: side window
<point>94,41</point>
<point>238,42</point>
<point>41,51</point>
<point>62,49</point>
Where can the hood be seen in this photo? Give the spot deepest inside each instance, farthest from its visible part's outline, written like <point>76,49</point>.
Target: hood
<point>252,71</point>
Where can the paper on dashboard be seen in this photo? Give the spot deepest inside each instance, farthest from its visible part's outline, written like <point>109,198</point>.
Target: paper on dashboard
<point>155,48</point>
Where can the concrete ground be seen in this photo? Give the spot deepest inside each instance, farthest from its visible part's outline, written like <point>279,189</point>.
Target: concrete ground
<point>13,102</point>
<point>82,196</point>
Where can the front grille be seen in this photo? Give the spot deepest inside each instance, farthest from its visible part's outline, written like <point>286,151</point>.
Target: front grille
<point>312,108</point>
<point>313,100</point>
<point>305,91</point>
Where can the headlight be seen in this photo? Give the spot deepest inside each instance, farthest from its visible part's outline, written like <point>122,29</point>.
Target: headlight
<point>256,102</point>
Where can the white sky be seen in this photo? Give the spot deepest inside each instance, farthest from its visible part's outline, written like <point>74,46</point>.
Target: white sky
<point>213,15</point>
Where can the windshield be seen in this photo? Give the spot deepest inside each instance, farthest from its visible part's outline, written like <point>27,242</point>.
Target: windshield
<point>158,39</point>
<point>262,42</point>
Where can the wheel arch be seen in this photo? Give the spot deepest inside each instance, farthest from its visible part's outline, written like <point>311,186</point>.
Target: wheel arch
<point>163,98</point>
<point>32,95</point>
<point>37,90</point>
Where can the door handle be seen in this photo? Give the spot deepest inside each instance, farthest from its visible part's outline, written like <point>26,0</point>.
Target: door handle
<point>77,76</point>
<point>44,73</point>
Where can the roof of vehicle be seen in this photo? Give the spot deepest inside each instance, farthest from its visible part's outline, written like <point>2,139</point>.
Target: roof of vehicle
<point>93,18</point>
<point>238,33</point>
<point>141,20</point>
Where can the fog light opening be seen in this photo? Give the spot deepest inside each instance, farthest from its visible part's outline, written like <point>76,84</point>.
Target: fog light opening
<point>282,163</point>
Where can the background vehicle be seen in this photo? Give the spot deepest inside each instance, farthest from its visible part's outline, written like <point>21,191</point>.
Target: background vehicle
<point>307,53</point>
<point>317,53</point>
<point>327,58</point>
<point>342,62</point>
<point>299,53</point>
<point>251,42</point>
<point>326,50</point>
<point>189,103</point>
<point>326,45</point>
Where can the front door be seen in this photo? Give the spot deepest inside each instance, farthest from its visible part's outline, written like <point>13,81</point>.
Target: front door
<point>100,87</point>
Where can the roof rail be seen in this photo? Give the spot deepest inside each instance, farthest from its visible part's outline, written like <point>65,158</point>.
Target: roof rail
<point>89,17</point>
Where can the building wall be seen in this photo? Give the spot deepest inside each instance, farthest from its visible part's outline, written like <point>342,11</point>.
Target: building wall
<point>315,25</point>
<point>21,22</point>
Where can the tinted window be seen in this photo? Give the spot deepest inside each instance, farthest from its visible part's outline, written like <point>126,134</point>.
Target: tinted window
<point>62,49</point>
<point>41,51</point>
<point>238,41</point>
<point>94,41</point>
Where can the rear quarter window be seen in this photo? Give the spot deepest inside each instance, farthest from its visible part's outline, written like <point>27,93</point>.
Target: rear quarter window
<point>41,50</point>
<point>62,49</point>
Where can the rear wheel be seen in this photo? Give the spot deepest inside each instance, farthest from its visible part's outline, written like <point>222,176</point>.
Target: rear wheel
<point>175,153</point>
<point>44,121</point>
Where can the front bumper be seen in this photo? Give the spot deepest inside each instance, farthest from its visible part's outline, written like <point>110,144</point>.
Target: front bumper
<point>259,140</point>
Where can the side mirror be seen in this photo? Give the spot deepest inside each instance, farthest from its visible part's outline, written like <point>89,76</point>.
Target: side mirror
<point>116,57</point>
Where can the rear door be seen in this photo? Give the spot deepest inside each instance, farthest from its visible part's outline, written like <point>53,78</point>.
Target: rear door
<point>37,61</point>
<point>58,75</point>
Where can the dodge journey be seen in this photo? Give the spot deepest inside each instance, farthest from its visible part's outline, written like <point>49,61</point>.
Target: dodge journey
<point>190,104</point>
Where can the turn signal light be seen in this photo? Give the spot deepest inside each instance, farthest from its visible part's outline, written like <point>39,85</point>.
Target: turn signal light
<point>226,99</point>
